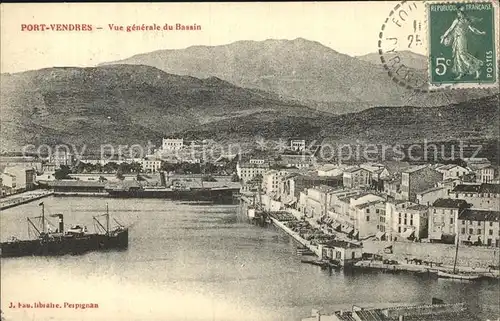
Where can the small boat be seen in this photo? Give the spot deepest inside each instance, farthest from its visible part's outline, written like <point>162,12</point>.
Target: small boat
<point>459,276</point>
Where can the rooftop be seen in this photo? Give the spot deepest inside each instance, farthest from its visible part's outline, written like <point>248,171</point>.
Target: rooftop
<point>479,215</point>
<point>432,189</point>
<point>478,188</point>
<point>450,203</point>
<point>74,182</point>
<point>437,312</point>
<point>414,169</point>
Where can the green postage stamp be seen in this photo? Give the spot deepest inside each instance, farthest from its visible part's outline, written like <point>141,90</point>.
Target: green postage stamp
<point>462,43</point>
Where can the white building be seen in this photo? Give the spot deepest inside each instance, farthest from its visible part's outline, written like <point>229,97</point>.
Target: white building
<point>298,144</point>
<point>452,171</point>
<point>172,143</point>
<point>150,165</point>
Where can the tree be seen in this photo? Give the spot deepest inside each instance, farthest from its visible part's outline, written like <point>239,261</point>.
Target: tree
<point>235,178</point>
<point>120,175</point>
<point>209,178</point>
<point>135,167</point>
<point>62,173</point>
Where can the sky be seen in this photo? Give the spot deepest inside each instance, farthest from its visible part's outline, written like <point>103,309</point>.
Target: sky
<point>347,27</point>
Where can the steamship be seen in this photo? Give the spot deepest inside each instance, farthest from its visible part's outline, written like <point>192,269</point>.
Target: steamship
<point>74,241</point>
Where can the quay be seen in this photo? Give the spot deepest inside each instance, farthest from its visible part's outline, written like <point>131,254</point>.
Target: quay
<point>350,256</point>
<point>23,198</point>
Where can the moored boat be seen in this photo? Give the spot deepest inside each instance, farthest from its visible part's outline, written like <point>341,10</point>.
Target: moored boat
<point>459,276</point>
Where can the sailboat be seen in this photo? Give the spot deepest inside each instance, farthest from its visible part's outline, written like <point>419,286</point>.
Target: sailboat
<point>457,275</point>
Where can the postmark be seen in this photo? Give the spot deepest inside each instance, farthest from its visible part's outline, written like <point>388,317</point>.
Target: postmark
<point>415,54</point>
<point>462,48</point>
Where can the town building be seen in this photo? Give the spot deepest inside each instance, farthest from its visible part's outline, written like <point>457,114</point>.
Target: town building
<point>429,196</point>
<point>479,227</point>
<point>247,172</point>
<point>169,144</point>
<point>355,177</point>
<point>405,221</point>
<point>486,174</point>
<point>452,171</point>
<point>481,196</point>
<point>369,216</point>
<point>150,165</point>
<point>316,201</point>
<point>298,161</point>
<point>443,215</point>
<point>331,170</point>
<point>294,183</point>
<point>271,182</point>
<point>18,178</point>
<point>9,184</point>
<point>61,158</point>
<point>17,161</point>
<point>417,179</point>
<point>342,252</point>
<point>298,145</point>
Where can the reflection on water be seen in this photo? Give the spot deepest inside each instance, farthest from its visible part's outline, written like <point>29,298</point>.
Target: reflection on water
<point>198,262</point>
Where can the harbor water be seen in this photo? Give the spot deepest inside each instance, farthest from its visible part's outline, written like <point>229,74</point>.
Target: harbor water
<point>198,262</point>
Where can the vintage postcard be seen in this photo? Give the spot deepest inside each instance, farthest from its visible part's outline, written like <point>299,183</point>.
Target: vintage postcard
<point>319,161</point>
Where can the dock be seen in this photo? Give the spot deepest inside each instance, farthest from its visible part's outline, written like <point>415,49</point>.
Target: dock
<point>22,198</point>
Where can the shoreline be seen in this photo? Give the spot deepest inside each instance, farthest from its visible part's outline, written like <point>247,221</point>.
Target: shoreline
<point>22,200</point>
<point>379,266</point>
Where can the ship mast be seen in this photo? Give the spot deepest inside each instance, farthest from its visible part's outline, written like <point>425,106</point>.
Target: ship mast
<point>107,219</point>
<point>43,216</point>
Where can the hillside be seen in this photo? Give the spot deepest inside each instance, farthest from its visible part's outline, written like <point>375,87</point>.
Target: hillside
<point>119,104</point>
<point>473,120</point>
<point>411,59</point>
<point>299,69</point>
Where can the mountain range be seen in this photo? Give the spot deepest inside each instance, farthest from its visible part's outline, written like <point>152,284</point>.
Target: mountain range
<point>302,70</point>
<point>134,104</point>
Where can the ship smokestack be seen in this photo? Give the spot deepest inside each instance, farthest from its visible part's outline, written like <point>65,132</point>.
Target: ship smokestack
<point>61,223</point>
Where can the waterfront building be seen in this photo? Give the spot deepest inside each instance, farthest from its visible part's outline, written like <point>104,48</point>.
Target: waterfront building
<point>438,311</point>
<point>369,217</point>
<point>294,183</point>
<point>443,215</point>
<point>342,252</point>
<point>417,179</point>
<point>481,196</point>
<point>479,227</point>
<point>355,177</point>
<point>248,171</point>
<point>316,201</point>
<point>18,178</point>
<point>271,182</point>
<point>169,144</point>
<point>452,171</point>
<point>405,221</point>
